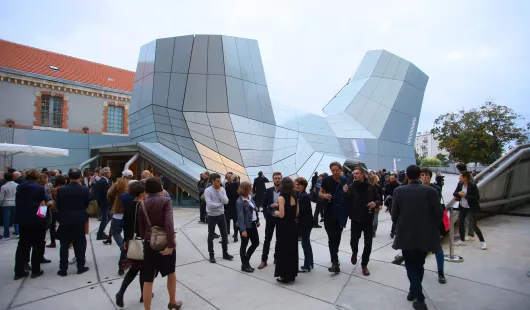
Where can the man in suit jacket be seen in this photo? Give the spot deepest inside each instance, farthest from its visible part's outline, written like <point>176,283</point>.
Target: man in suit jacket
<point>28,199</point>
<point>270,201</point>
<point>258,188</point>
<point>72,204</point>
<point>417,213</point>
<point>102,187</point>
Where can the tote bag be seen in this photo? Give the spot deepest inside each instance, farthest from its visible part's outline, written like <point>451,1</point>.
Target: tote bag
<point>136,247</point>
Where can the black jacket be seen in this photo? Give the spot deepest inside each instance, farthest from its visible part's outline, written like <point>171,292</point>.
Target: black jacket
<point>28,198</point>
<point>268,199</point>
<point>390,187</point>
<point>305,217</point>
<point>130,220</point>
<point>258,188</point>
<point>417,213</point>
<point>233,196</point>
<point>102,188</point>
<point>72,204</point>
<point>359,195</point>
<point>472,195</point>
<point>314,180</point>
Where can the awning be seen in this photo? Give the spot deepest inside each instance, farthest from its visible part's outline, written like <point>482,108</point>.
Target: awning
<point>7,149</point>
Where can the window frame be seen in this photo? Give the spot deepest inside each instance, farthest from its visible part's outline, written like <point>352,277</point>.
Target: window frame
<point>114,119</point>
<point>52,111</point>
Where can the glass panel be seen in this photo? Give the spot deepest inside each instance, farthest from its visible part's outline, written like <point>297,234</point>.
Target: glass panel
<point>57,112</point>
<point>45,111</point>
<point>115,119</point>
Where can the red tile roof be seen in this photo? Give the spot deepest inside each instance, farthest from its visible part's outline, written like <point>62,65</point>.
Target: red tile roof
<point>33,60</point>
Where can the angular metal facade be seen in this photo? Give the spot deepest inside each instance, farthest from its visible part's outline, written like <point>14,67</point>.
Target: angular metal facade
<point>202,103</point>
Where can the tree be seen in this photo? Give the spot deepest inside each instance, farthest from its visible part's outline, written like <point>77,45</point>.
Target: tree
<point>443,159</point>
<point>478,135</point>
<point>430,162</point>
<point>418,159</point>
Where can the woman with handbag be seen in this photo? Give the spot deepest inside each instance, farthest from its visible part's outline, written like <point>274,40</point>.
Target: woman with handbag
<point>133,246</point>
<point>155,220</point>
<point>248,220</point>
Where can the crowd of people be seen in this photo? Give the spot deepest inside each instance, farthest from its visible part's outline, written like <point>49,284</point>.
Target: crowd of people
<point>141,219</point>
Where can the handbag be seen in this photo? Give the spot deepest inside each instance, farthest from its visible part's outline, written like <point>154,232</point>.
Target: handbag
<point>445,220</point>
<point>158,241</point>
<point>135,250</point>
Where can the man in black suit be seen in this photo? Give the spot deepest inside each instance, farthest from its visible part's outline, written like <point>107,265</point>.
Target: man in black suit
<point>102,187</point>
<point>29,197</point>
<point>258,188</point>
<point>270,202</point>
<point>417,213</point>
<point>72,204</point>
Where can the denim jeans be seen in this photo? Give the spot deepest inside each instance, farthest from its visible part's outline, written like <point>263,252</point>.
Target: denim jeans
<point>7,221</point>
<point>440,259</point>
<point>306,246</point>
<point>376,219</point>
<point>116,227</point>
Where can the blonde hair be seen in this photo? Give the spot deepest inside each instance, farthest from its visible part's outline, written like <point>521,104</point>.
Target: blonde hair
<point>244,189</point>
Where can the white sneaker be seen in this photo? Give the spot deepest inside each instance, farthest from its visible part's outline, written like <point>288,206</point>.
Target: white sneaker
<point>460,242</point>
<point>483,246</point>
<point>471,238</point>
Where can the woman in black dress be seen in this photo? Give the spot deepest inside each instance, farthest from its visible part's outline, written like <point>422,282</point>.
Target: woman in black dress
<point>286,233</point>
<point>230,208</point>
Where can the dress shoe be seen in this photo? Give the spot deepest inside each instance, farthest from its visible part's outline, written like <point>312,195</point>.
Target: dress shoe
<point>354,259</point>
<point>305,269</point>
<point>392,235</point>
<point>62,273</point>
<point>175,306</point>
<point>107,242</point>
<point>227,256</point>
<point>101,238</point>
<point>334,268</point>
<point>262,265</point>
<point>20,276</point>
<point>235,238</point>
<point>119,299</point>
<point>441,277</point>
<point>366,272</point>
<point>252,268</point>
<point>227,242</point>
<point>121,272</point>
<point>247,269</point>
<point>419,305</point>
<point>36,275</point>
<point>51,245</point>
<point>212,259</point>
<point>45,261</point>
<point>27,267</point>
<point>317,226</point>
<point>410,297</point>
<point>282,280</point>
<point>82,270</point>
<point>216,236</point>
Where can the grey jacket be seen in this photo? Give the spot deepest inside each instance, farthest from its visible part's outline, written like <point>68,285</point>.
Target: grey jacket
<point>7,194</point>
<point>244,214</point>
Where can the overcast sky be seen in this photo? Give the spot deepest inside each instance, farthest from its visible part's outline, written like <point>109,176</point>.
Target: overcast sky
<point>471,50</point>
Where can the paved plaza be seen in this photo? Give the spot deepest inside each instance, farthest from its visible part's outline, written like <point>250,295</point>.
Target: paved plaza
<point>491,279</point>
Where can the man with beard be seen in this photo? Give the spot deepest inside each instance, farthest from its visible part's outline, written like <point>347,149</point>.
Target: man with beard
<point>362,199</point>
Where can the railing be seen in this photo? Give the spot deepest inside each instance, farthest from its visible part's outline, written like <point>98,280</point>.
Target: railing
<point>503,185</point>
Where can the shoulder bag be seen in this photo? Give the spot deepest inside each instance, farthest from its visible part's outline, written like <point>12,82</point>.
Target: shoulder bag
<point>136,247</point>
<point>158,241</point>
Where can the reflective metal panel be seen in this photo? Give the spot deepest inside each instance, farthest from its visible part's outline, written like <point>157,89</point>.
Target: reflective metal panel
<point>164,54</point>
<point>207,141</point>
<point>150,58</point>
<point>257,64</point>
<point>147,91</point>
<point>265,103</point>
<point>199,55</point>
<point>392,67</point>
<point>252,101</point>
<point>199,128</point>
<point>141,63</point>
<point>236,96</point>
<point>245,63</point>
<point>197,117</point>
<point>225,136</point>
<point>230,152</point>
<point>215,55</point>
<point>177,89</point>
<point>367,65</point>
<point>160,89</point>
<point>220,120</point>
<point>382,64</point>
<point>231,59</point>
<point>182,54</point>
<point>195,98</point>
<point>216,94</point>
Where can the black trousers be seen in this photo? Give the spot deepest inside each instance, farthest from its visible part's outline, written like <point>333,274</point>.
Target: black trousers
<point>253,237</point>
<point>53,227</point>
<point>462,214</point>
<point>220,221</point>
<point>414,261</point>
<point>356,230</point>
<point>76,236</point>
<point>318,210</point>
<point>202,211</point>
<point>32,238</point>
<point>334,232</point>
<point>232,218</point>
<point>270,225</point>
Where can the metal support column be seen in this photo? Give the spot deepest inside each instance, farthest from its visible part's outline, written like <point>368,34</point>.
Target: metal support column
<point>451,257</point>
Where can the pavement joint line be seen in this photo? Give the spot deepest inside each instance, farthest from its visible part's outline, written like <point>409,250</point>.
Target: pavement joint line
<point>184,233</point>
<point>51,296</point>
<point>277,285</point>
<point>345,284</point>
<point>97,272</point>
<point>195,218</point>
<point>16,294</point>
<point>206,300</point>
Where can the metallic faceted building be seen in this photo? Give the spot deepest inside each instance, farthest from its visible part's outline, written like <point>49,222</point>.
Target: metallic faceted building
<point>201,102</point>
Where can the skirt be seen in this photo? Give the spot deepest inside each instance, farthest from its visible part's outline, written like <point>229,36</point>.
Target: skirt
<point>155,262</point>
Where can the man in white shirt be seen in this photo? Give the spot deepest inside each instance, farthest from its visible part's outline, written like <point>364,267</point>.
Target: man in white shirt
<point>216,198</point>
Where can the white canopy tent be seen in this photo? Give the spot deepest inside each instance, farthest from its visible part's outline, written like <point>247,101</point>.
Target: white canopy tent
<point>7,149</point>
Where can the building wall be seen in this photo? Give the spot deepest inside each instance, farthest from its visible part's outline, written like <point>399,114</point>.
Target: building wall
<point>427,146</point>
<point>17,102</point>
<point>85,111</point>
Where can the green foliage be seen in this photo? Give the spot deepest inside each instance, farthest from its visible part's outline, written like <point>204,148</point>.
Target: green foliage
<point>443,159</point>
<point>430,162</point>
<point>478,135</point>
<point>418,159</point>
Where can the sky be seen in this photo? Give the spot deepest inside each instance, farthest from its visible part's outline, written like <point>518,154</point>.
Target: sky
<point>472,51</point>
